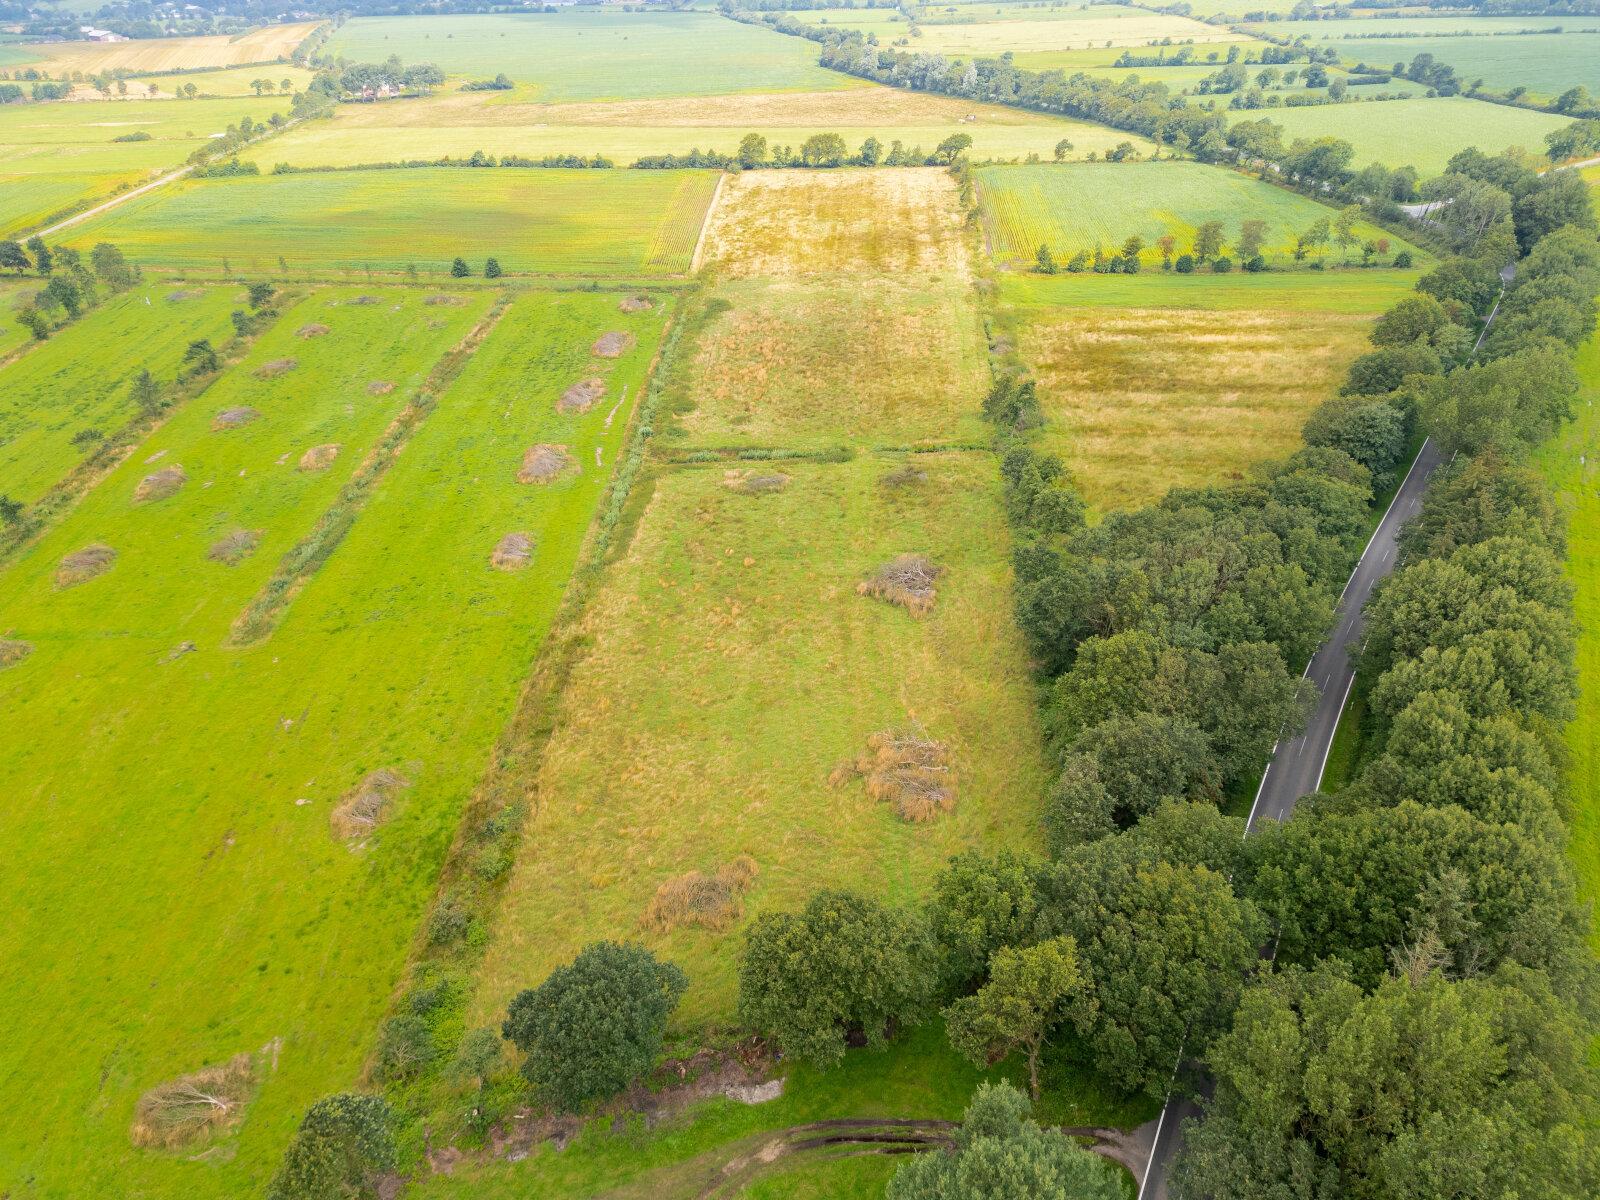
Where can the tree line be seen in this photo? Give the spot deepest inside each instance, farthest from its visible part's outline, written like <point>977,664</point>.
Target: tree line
<point>71,285</point>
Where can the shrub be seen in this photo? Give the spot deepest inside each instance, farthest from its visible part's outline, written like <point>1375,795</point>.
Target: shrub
<point>1185,264</point>
<point>459,268</point>
<point>1221,266</point>
<point>405,1047</point>
<point>1403,259</point>
<point>343,1144</point>
<point>1256,264</point>
<point>491,269</point>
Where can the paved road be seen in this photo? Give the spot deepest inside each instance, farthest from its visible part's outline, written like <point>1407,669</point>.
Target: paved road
<point>1297,763</point>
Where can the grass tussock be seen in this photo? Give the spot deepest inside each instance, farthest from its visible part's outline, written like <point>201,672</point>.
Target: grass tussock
<point>235,547</point>
<point>512,552</point>
<point>907,581</point>
<point>194,1108</point>
<point>364,807</point>
<point>158,485</point>
<point>13,651</point>
<point>83,565</point>
<point>542,463</point>
<point>907,769</point>
<point>711,901</point>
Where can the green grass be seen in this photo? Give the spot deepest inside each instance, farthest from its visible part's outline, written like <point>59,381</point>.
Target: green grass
<point>1085,205</point>
<point>29,201</point>
<point>79,378</point>
<point>1337,290</point>
<point>224,914</point>
<point>598,55</point>
<point>535,221</point>
<point>232,82</point>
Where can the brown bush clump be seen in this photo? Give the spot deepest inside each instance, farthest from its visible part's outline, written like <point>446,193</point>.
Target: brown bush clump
<point>362,808</point>
<point>633,304</point>
<point>379,387</point>
<point>698,899</point>
<point>581,397</point>
<point>543,462</point>
<point>232,418</point>
<point>278,366</point>
<point>320,458</point>
<point>755,483</point>
<point>311,330</point>
<point>85,564</point>
<point>908,769</point>
<point>191,1108</point>
<point>12,652</point>
<point>512,552</point>
<point>158,485</point>
<point>446,301</point>
<point>613,345</point>
<point>236,547</point>
<point>907,581</point>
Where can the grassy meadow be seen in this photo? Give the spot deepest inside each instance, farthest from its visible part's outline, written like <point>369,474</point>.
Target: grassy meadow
<point>200,780</point>
<point>79,379</point>
<point>230,83</point>
<point>146,55</point>
<point>553,222</point>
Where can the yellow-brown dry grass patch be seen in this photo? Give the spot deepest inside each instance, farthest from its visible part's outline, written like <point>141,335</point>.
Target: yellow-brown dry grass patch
<point>872,107</point>
<point>194,1108</point>
<point>813,363</point>
<point>773,224</point>
<point>155,55</point>
<point>729,664</point>
<point>906,768</point>
<point>695,898</point>
<point>1141,400</point>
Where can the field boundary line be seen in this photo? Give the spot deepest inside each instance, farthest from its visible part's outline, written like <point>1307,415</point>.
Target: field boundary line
<point>260,618</point>
<point>698,257</point>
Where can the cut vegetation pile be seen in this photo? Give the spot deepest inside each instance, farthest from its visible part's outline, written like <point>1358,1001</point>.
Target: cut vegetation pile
<point>311,330</point>
<point>158,485</point>
<point>319,458</point>
<point>698,899</point>
<point>193,1107</point>
<point>754,483</point>
<point>513,552</point>
<point>236,547</point>
<point>907,581</point>
<point>613,344</point>
<point>362,809</point>
<point>85,564</point>
<point>544,462</point>
<point>13,652</point>
<point>447,301</point>
<point>278,366</point>
<point>634,304</point>
<point>581,397</point>
<point>379,387</point>
<point>908,769</point>
<point>232,418</point>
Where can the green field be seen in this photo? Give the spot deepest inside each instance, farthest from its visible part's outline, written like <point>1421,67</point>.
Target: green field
<point>234,82</point>
<point>28,201</point>
<point>1089,205</point>
<point>79,379</point>
<point>597,55</point>
<point>196,787</point>
<point>1336,291</point>
<point>534,221</point>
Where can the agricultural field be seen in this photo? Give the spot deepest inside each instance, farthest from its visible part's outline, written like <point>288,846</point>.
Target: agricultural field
<point>1101,206</point>
<point>603,54</point>
<point>404,653</point>
<point>272,44</point>
<point>79,379</point>
<point>230,83</point>
<point>534,221</point>
<point>992,32</point>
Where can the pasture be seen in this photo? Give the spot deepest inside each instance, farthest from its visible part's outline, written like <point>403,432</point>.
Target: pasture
<point>271,44</point>
<point>200,781</point>
<point>554,222</point>
<point>1089,206</point>
<point>597,54</point>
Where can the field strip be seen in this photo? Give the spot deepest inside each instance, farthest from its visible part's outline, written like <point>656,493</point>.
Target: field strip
<point>705,224</point>
<point>114,201</point>
<point>256,622</point>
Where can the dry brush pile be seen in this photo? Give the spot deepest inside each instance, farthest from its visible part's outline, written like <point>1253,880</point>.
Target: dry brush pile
<point>191,1108</point>
<point>363,807</point>
<point>907,581</point>
<point>711,901</point>
<point>906,768</point>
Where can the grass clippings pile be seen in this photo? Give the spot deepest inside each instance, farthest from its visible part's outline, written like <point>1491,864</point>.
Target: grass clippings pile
<point>711,901</point>
<point>158,485</point>
<point>232,418</point>
<point>512,552</point>
<point>755,483</point>
<point>83,565</point>
<point>379,387</point>
<point>542,463</point>
<point>276,367</point>
<point>12,652</point>
<point>906,581</point>
<point>614,344</point>
<point>320,458</point>
<point>908,769</point>
<point>311,330</point>
<point>235,547</point>
<point>191,1108</point>
<point>362,809</point>
<point>635,304</point>
<point>444,301</point>
<point>581,397</point>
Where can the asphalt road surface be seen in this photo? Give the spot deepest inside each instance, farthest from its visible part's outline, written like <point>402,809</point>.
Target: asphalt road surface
<point>1297,763</point>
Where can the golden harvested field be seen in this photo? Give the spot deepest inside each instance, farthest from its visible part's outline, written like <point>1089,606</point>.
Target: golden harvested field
<point>176,54</point>
<point>787,224</point>
<point>1141,400</point>
<point>1130,27</point>
<point>732,667</point>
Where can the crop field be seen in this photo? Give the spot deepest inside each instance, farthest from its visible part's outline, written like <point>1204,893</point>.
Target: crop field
<point>1422,133</point>
<point>266,45</point>
<point>232,83</point>
<point>534,221</point>
<point>994,32</point>
<point>1085,206</point>
<point>201,780</point>
<point>1357,290</point>
<point>28,201</point>
<point>78,380</point>
<point>598,55</point>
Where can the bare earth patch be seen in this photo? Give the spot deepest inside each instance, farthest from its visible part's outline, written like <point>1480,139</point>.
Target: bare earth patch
<point>158,485</point>
<point>542,463</point>
<point>635,304</point>
<point>512,552</point>
<point>379,387</point>
<point>83,565</point>
<point>319,458</point>
<point>581,397</point>
<point>613,344</point>
<point>232,418</point>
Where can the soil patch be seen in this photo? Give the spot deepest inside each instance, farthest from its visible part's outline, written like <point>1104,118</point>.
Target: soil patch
<point>633,304</point>
<point>446,301</point>
<point>12,652</point>
<point>191,1108</point>
<point>278,366</point>
<point>311,330</point>
<point>581,397</point>
<point>544,462</point>
<point>235,547</point>
<point>755,483</point>
<point>512,552</point>
<point>379,387</point>
<point>698,899</point>
<point>614,344</point>
<point>908,769</point>
<point>320,458</point>
<point>232,418</point>
<point>158,485</point>
<point>363,807</point>
<point>83,565</point>
<point>907,581</point>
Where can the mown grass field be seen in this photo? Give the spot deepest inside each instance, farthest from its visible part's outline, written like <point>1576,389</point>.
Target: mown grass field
<point>1085,206</point>
<point>196,787</point>
<point>534,221</point>
<point>79,379</point>
<point>598,54</point>
<point>265,45</point>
